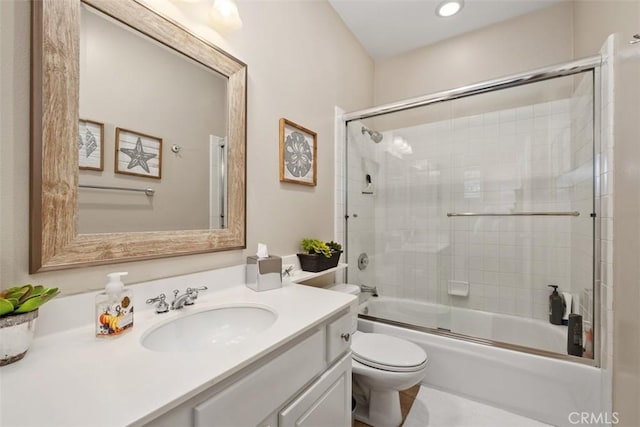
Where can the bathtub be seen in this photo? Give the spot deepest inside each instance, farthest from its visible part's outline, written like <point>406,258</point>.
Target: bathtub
<point>543,388</point>
<point>504,328</point>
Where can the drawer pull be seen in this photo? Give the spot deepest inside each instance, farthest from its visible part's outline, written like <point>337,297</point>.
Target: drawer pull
<point>346,337</point>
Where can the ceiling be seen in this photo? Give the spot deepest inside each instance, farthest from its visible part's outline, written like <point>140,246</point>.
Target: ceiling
<point>389,27</point>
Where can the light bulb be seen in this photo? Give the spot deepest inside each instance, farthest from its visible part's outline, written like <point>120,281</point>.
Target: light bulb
<point>224,15</point>
<point>449,8</point>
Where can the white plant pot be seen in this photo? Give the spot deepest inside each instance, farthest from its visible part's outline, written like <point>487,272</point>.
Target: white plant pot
<point>16,334</point>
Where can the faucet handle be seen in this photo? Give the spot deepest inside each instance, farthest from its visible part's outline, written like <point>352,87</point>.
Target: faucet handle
<point>192,294</point>
<point>162,306</point>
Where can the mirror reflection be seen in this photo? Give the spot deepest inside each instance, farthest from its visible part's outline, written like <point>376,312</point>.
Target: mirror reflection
<point>152,134</point>
<point>146,138</point>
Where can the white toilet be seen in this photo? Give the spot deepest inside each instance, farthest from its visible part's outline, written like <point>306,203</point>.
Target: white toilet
<point>382,366</point>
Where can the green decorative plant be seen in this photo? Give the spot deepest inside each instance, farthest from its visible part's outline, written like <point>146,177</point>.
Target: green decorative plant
<point>334,246</point>
<point>23,299</point>
<point>316,246</point>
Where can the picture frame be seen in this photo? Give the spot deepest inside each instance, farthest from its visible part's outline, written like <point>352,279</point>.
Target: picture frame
<point>90,145</point>
<point>298,154</point>
<point>138,154</point>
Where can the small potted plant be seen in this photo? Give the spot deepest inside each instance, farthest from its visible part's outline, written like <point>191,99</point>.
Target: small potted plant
<point>319,255</point>
<point>18,313</point>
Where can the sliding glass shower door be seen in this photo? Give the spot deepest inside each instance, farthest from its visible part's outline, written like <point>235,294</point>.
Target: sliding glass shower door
<point>469,209</point>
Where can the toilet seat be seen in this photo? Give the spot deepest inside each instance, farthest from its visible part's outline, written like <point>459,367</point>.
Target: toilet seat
<point>387,353</point>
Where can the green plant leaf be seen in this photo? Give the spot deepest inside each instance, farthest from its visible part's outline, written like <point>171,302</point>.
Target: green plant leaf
<point>6,307</point>
<point>26,293</point>
<point>314,246</point>
<point>7,292</point>
<point>26,298</point>
<point>31,304</point>
<point>38,290</point>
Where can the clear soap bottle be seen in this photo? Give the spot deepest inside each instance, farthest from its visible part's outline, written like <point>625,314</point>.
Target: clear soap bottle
<point>114,307</point>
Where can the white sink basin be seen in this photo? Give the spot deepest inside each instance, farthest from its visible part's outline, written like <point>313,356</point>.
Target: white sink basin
<point>208,329</point>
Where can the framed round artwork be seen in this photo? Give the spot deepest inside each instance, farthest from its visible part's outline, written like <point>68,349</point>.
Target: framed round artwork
<point>298,154</point>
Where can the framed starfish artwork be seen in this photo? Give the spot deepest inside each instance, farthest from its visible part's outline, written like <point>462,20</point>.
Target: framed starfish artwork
<point>138,154</point>
<point>90,145</point>
<point>298,150</point>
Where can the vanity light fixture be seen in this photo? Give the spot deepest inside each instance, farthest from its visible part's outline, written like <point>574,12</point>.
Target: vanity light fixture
<point>224,15</point>
<point>449,8</point>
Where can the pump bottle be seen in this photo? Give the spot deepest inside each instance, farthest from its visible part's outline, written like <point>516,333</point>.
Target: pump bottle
<point>114,308</point>
<point>556,306</point>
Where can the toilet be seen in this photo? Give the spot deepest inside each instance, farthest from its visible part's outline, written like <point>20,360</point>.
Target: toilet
<point>382,366</point>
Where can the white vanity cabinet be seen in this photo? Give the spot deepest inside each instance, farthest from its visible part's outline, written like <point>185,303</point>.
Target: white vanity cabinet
<point>306,383</point>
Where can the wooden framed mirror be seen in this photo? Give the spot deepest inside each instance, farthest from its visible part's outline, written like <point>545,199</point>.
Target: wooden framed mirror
<point>57,241</point>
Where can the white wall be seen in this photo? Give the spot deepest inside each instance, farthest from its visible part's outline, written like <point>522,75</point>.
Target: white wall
<point>620,294</point>
<point>623,313</point>
<point>302,62</point>
<point>524,43</point>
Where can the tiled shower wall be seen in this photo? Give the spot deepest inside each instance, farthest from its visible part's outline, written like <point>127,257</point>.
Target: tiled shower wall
<point>520,159</point>
<point>605,181</point>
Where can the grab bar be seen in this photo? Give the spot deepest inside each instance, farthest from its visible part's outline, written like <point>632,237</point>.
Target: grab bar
<point>574,213</point>
<point>148,191</point>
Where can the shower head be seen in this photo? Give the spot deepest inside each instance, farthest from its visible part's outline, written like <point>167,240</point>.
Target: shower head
<point>374,134</point>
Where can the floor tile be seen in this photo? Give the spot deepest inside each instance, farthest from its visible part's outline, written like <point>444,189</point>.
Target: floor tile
<point>435,408</point>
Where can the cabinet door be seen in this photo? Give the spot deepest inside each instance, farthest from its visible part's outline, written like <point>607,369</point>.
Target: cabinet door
<point>252,398</point>
<point>339,336</point>
<point>327,402</point>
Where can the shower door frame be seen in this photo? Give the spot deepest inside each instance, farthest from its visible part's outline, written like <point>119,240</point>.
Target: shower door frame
<point>589,64</point>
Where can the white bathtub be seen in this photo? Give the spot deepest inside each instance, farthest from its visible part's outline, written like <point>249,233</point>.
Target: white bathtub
<point>542,388</point>
<point>533,333</point>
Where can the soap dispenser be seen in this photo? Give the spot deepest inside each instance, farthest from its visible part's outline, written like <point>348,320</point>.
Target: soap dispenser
<point>114,307</point>
<point>556,306</point>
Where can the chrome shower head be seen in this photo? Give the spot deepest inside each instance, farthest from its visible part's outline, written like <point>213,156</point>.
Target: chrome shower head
<point>375,135</point>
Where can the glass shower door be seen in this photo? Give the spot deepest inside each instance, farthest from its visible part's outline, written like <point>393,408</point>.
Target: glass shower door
<point>469,209</point>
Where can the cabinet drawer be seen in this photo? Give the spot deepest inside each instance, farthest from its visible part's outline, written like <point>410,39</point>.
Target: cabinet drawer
<point>339,337</point>
<point>327,402</point>
<point>251,399</point>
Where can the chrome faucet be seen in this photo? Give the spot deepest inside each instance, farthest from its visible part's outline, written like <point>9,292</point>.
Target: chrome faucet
<point>369,289</point>
<point>187,298</point>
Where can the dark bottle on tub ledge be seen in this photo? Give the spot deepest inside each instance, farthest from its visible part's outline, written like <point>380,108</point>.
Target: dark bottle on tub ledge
<point>574,335</point>
<point>556,306</point>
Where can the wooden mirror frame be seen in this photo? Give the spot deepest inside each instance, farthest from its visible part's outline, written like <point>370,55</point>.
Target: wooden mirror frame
<point>54,238</point>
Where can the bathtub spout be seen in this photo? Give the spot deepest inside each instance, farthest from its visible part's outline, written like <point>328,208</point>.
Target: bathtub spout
<point>369,289</point>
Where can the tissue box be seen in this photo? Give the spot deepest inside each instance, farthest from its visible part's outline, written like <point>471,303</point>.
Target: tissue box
<point>263,274</point>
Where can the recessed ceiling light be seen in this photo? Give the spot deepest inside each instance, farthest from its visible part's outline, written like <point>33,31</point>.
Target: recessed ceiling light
<point>449,8</point>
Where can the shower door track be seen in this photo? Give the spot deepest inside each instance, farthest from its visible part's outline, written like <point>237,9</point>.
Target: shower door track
<point>540,74</point>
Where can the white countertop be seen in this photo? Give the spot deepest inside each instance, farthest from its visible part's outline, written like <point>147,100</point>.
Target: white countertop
<point>72,378</point>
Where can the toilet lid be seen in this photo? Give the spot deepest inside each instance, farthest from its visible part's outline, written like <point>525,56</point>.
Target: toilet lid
<point>387,352</point>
